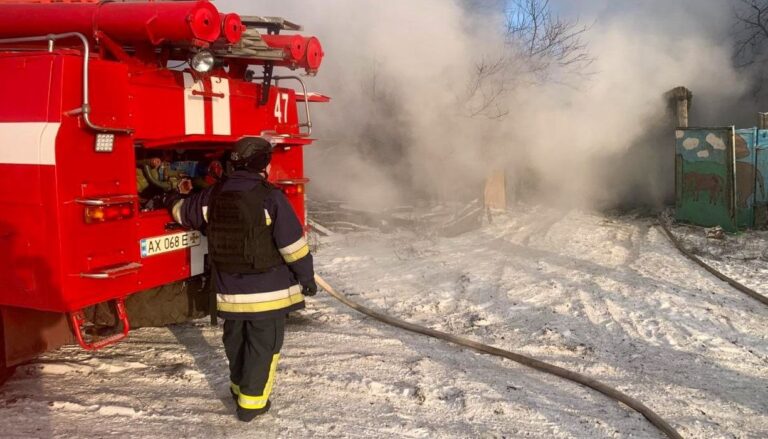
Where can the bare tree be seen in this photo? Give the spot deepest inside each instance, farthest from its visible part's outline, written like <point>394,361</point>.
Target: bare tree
<point>751,32</point>
<point>751,36</point>
<point>486,89</point>
<point>545,40</point>
<point>539,47</point>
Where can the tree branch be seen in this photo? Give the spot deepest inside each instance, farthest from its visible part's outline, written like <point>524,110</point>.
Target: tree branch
<point>540,46</point>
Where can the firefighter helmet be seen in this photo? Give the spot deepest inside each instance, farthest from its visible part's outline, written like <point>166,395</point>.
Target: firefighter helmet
<point>251,153</point>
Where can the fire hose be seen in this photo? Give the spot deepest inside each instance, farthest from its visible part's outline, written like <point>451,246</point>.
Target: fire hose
<point>584,380</point>
<point>738,286</point>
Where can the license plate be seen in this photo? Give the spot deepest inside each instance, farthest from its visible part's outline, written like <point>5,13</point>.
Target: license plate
<point>169,243</point>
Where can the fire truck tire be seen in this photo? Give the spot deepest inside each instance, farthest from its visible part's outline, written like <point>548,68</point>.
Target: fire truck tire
<point>172,303</point>
<point>5,371</point>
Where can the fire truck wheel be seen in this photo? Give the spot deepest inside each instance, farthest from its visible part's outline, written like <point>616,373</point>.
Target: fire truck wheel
<point>176,302</point>
<point>173,303</point>
<point>5,371</point>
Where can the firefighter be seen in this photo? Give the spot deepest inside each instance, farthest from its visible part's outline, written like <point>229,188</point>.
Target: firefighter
<point>261,268</point>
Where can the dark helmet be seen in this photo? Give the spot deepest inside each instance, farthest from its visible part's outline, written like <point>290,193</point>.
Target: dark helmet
<point>251,153</point>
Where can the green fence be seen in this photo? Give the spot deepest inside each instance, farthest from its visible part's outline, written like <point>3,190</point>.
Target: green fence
<point>720,177</point>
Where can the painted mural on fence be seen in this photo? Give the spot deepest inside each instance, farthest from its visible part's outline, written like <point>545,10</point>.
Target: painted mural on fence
<point>704,182</point>
<point>722,177</point>
<point>746,176</point>
<point>761,183</point>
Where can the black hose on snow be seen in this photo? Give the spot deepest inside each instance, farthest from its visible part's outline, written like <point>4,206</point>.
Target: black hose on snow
<point>744,289</point>
<point>610,392</point>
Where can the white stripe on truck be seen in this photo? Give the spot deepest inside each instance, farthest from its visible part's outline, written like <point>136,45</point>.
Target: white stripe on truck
<point>222,122</point>
<point>28,143</point>
<point>194,106</point>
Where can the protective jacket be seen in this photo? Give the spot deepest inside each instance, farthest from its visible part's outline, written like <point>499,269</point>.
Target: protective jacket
<point>270,286</point>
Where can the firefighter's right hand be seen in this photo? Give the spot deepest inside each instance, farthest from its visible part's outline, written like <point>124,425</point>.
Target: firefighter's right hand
<point>309,288</point>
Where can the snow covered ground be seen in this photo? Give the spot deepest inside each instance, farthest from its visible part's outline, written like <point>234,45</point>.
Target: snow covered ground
<point>742,255</point>
<point>604,296</point>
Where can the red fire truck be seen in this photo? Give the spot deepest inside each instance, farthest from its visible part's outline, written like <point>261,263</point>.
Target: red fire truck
<point>105,107</point>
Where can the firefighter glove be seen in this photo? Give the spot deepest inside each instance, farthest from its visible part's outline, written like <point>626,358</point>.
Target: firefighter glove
<point>309,288</point>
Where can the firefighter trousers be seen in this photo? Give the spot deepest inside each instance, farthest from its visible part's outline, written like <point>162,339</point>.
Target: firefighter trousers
<point>253,350</point>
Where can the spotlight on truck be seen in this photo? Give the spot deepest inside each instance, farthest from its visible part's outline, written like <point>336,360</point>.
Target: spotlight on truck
<point>202,61</point>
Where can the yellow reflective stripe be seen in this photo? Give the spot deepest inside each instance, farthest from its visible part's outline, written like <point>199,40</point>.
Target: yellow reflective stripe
<point>266,296</point>
<point>260,401</point>
<point>235,388</point>
<point>295,251</point>
<point>295,256</point>
<point>272,305</point>
<point>251,403</point>
<point>293,248</point>
<point>176,211</point>
<point>267,217</point>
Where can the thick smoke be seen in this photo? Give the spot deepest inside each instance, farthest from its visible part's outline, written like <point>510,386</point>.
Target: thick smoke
<point>407,123</point>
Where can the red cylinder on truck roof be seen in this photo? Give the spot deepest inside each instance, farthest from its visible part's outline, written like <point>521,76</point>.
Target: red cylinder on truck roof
<point>304,52</point>
<point>232,28</point>
<point>151,22</point>
<point>314,53</point>
<point>293,45</point>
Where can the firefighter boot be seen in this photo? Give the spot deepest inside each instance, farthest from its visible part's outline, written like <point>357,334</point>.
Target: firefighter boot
<point>247,415</point>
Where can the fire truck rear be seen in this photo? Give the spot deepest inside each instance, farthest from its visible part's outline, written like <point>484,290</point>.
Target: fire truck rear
<point>105,108</point>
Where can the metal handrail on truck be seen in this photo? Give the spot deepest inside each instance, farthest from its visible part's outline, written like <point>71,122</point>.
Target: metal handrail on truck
<point>85,109</point>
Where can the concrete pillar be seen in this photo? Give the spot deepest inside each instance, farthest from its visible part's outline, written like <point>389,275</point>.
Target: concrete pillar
<point>682,113</point>
<point>762,121</point>
<point>680,99</point>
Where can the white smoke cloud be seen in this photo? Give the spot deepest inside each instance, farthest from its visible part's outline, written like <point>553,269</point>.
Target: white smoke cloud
<point>399,124</point>
<point>641,50</point>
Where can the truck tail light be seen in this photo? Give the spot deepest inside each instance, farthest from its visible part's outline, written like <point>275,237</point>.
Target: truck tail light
<point>112,212</point>
<point>293,189</point>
